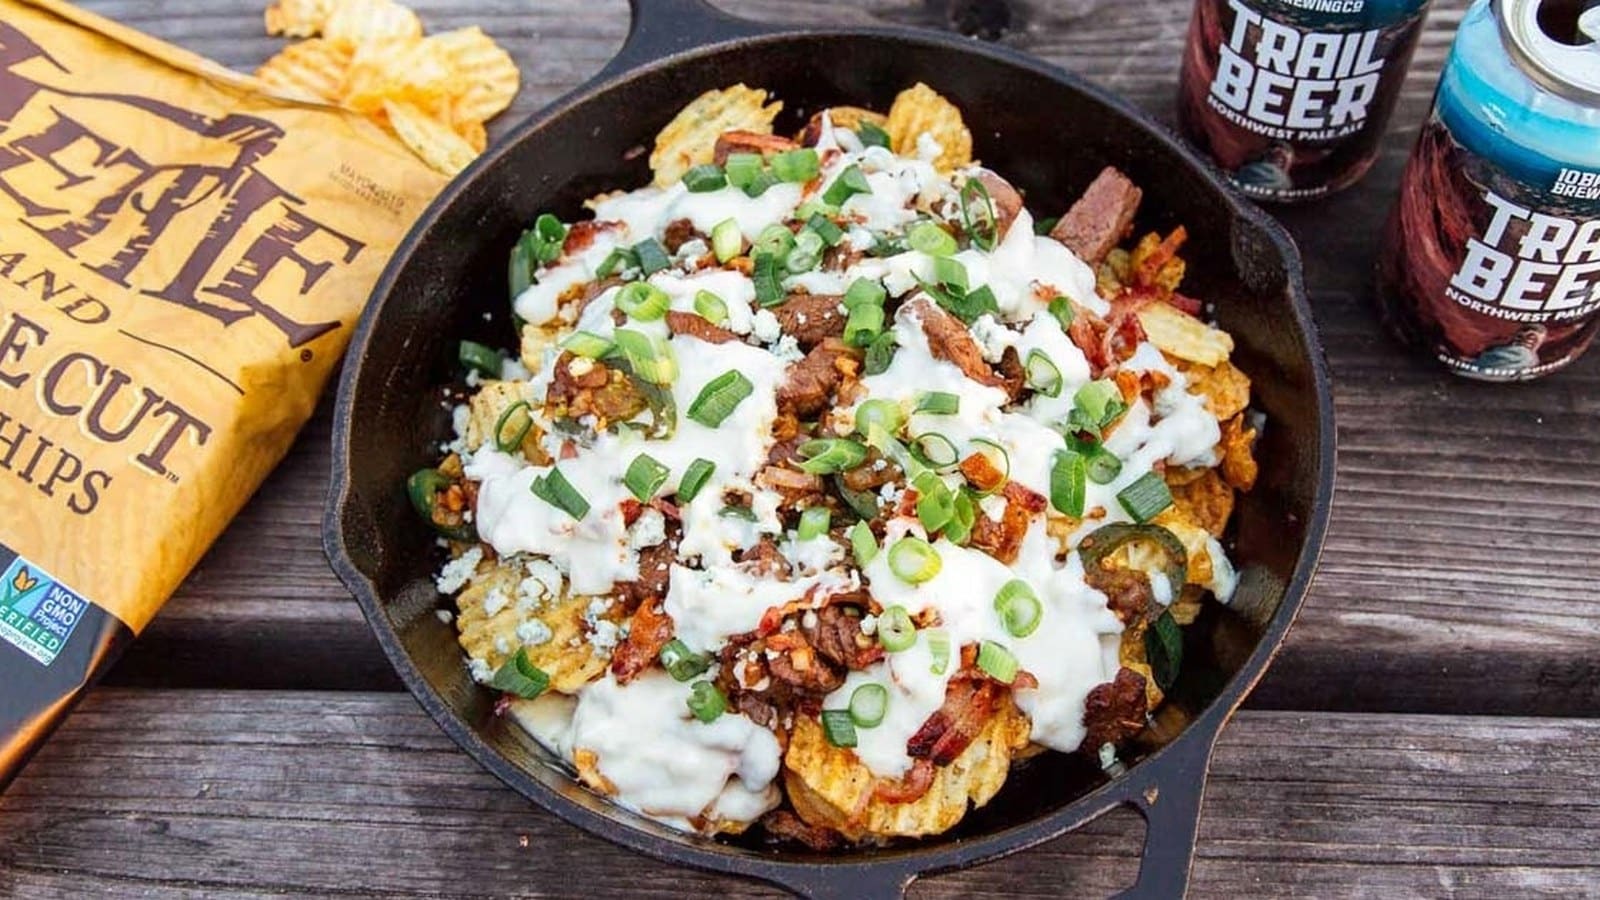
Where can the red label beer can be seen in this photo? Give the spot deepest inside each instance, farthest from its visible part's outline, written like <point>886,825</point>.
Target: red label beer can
<point>1290,97</point>
<point>1492,257</point>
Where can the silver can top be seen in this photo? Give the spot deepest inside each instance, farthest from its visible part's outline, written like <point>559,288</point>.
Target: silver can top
<point>1570,67</point>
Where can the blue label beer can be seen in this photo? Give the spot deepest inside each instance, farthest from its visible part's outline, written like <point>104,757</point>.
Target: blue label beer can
<point>1492,257</point>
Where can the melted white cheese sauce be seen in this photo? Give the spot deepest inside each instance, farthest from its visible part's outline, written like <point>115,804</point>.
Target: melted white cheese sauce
<point>661,761</point>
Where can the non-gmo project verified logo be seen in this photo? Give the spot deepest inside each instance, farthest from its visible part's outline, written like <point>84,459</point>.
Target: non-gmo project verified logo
<point>37,615</point>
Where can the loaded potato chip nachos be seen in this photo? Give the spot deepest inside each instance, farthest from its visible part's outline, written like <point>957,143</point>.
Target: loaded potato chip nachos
<point>826,483</point>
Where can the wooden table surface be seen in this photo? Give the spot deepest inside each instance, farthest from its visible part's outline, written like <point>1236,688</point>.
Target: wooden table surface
<point>1428,730</point>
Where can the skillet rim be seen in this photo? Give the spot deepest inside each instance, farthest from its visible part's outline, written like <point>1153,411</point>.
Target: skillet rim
<point>897,866</point>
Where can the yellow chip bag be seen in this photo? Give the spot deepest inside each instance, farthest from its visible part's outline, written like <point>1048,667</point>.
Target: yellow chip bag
<point>183,254</point>
<point>920,111</point>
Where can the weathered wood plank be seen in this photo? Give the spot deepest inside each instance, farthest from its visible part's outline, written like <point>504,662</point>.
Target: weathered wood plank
<point>249,794</point>
<point>1459,554</point>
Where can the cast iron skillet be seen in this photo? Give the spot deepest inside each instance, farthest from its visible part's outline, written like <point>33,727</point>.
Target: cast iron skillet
<point>1045,130</point>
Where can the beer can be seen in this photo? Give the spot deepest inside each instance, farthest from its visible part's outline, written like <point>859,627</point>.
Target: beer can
<point>1290,97</point>
<point>1492,256</point>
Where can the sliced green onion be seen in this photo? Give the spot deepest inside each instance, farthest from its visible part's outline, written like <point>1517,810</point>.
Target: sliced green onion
<point>796,166</point>
<point>880,353</point>
<point>1095,400</point>
<point>868,705</point>
<point>1146,497</point>
<point>816,207</point>
<point>978,216</point>
<point>929,238</point>
<point>964,514</point>
<point>519,269</point>
<point>806,253</point>
<point>1043,375</point>
<point>827,455</point>
<point>1163,646</point>
<point>1102,466</point>
<point>741,169</point>
<point>863,544</point>
<point>813,523</point>
<point>1019,608</point>
<point>891,447</point>
<point>999,456</point>
<point>650,358</point>
<point>586,344</point>
<point>997,662</point>
<point>554,489</point>
<point>949,273</point>
<point>774,239</point>
<point>681,662</point>
<point>518,675</point>
<point>878,411</point>
<point>864,292</point>
<point>934,450</point>
<point>913,560</point>
<point>1046,225</point>
<point>759,184</point>
<point>520,418</point>
<point>1062,309</point>
<point>652,256</point>
<point>479,358</point>
<point>710,307</point>
<point>838,728</point>
<point>938,403</point>
<point>1067,488</point>
<point>615,261</point>
<point>645,476</point>
<point>545,239</point>
<point>643,301</point>
<point>705,177</point>
<point>850,182</point>
<point>727,241</point>
<point>830,233</point>
<point>694,478</point>
<point>939,649</point>
<point>872,135</point>
<point>862,503</point>
<point>720,397</point>
<point>706,702</point>
<point>979,301</point>
<point>744,513</point>
<point>936,505</point>
<point>768,277</point>
<point>863,325</point>
<point>896,631</point>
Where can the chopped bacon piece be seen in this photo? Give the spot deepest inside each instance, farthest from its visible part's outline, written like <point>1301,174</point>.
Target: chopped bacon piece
<point>1101,218</point>
<point>1007,202</point>
<point>1003,539</point>
<point>649,630</point>
<point>1150,266</point>
<point>969,704</point>
<point>749,142</point>
<point>695,326</point>
<point>581,235</point>
<point>981,472</point>
<point>677,233</point>
<point>910,787</point>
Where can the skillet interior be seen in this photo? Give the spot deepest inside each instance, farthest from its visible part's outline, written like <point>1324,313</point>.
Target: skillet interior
<point>1030,124</point>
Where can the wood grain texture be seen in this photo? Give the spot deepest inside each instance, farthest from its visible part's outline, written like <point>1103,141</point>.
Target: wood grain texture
<point>1461,552</point>
<point>252,794</point>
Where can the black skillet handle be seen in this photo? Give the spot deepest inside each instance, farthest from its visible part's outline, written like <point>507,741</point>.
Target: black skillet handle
<point>1168,791</point>
<point>662,28</point>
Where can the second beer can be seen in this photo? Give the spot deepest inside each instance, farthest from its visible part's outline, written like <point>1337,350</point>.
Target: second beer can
<point>1290,97</point>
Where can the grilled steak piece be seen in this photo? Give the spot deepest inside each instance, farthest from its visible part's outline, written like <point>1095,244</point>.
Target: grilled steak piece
<point>836,634</point>
<point>1007,202</point>
<point>677,233</point>
<point>695,326</point>
<point>1114,711</point>
<point>950,340</point>
<point>812,380</point>
<point>1101,218</point>
<point>811,318</point>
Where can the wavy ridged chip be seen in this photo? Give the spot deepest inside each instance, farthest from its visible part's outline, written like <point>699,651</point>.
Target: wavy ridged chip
<point>360,21</point>
<point>297,18</point>
<point>436,142</point>
<point>565,655</point>
<point>920,110</point>
<point>309,70</point>
<point>690,139</point>
<point>1179,334</point>
<point>489,76</point>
